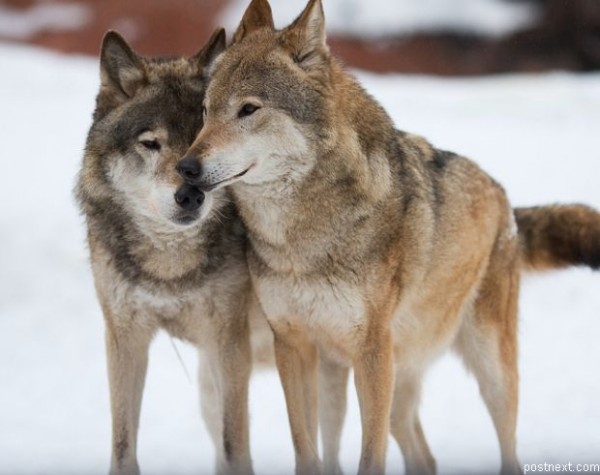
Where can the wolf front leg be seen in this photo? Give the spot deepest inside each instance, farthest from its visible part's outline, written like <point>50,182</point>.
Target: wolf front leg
<point>224,377</point>
<point>127,354</point>
<point>333,384</point>
<point>296,358</point>
<point>374,377</point>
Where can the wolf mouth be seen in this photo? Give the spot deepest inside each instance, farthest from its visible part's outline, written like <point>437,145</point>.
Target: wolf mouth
<point>212,186</point>
<point>185,219</point>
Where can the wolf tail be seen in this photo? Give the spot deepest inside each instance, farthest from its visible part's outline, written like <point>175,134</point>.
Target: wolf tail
<point>558,236</point>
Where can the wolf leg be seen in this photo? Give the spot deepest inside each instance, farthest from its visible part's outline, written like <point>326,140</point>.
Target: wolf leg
<point>296,359</point>
<point>487,343</point>
<point>211,403</point>
<point>333,383</point>
<point>127,352</point>
<point>224,378</point>
<point>373,377</point>
<point>405,425</point>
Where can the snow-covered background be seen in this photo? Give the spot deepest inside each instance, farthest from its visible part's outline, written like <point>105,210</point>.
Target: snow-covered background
<point>401,17</point>
<point>43,17</point>
<point>538,135</point>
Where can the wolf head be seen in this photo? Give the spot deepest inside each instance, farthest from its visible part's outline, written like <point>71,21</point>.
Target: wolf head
<point>148,112</point>
<point>268,104</point>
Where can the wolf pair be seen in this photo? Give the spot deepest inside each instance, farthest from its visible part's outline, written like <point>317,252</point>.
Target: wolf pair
<point>364,246</point>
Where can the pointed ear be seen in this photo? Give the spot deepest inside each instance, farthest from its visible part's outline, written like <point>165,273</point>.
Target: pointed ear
<point>306,37</point>
<point>209,52</point>
<point>258,15</point>
<point>121,70</point>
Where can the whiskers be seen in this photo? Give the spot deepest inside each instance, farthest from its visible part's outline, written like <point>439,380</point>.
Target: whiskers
<point>219,204</point>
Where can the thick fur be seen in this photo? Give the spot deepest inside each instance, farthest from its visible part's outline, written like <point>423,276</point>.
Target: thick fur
<point>157,265</point>
<point>368,245</point>
<point>559,236</point>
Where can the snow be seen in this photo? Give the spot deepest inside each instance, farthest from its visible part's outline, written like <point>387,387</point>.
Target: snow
<point>538,135</point>
<point>400,17</point>
<point>21,24</point>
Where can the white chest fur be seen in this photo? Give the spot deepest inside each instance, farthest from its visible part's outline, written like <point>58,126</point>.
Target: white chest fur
<point>183,314</point>
<point>131,298</point>
<point>167,306</point>
<point>332,312</point>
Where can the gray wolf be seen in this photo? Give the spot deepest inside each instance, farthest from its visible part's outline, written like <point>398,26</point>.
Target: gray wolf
<point>164,254</point>
<point>367,243</point>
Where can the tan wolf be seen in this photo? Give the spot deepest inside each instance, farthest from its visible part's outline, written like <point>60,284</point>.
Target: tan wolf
<point>368,244</point>
<point>164,254</point>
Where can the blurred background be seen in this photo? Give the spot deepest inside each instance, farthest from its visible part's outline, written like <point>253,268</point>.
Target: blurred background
<point>445,37</point>
<point>523,101</point>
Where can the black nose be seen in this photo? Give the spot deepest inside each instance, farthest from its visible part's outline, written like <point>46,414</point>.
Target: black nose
<point>189,168</point>
<point>189,197</point>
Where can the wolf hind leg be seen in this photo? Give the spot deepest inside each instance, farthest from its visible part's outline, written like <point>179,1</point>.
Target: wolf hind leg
<point>487,343</point>
<point>405,424</point>
<point>333,383</point>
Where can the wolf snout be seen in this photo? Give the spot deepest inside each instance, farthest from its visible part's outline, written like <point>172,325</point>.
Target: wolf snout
<point>189,168</point>
<point>189,197</point>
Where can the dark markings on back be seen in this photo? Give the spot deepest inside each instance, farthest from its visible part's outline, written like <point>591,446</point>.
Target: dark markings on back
<point>436,167</point>
<point>441,158</point>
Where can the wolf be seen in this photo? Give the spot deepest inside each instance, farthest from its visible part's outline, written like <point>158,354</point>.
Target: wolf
<point>164,254</point>
<point>367,243</point>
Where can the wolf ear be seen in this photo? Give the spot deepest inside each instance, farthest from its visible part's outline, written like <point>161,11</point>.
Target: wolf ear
<point>258,15</point>
<point>306,38</point>
<point>209,52</point>
<point>121,70</point>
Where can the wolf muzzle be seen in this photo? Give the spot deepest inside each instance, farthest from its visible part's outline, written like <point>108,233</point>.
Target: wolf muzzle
<point>189,197</point>
<point>189,168</point>
<point>191,171</point>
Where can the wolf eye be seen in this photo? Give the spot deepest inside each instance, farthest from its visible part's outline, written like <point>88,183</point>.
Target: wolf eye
<point>153,145</point>
<point>247,109</point>
<point>204,112</point>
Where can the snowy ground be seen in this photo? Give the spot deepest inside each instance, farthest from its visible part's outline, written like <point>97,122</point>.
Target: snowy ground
<point>538,135</point>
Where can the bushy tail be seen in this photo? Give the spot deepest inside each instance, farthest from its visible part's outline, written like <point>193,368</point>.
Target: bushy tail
<point>553,237</point>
